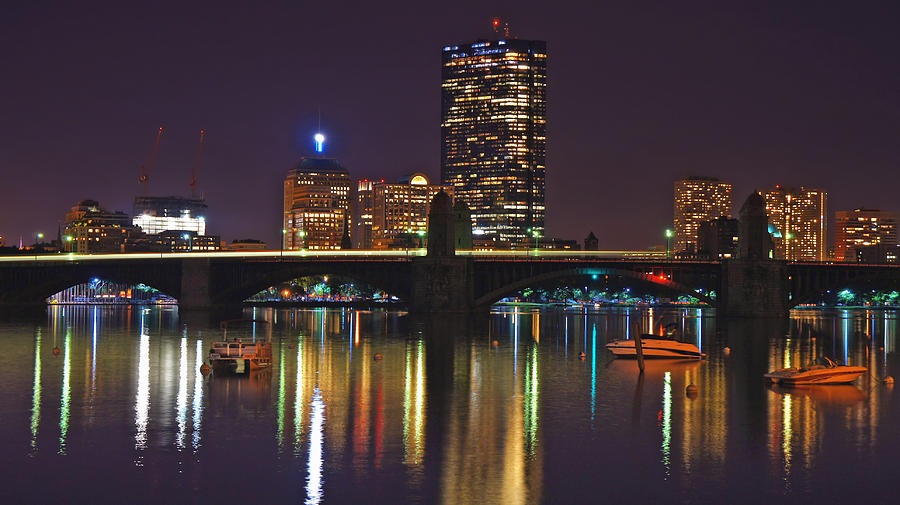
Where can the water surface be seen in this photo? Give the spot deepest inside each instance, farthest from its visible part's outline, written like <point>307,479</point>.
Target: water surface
<point>107,404</point>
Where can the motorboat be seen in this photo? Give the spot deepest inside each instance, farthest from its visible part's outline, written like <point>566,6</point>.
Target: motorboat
<point>655,346</point>
<point>824,372</point>
<point>226,355</point>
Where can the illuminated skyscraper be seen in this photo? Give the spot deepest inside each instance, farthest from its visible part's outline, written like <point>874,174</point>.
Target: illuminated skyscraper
<point>698,200</point>
<point>493,134</point>
<point>316,204</point>
<point>799,218</point>
<point>862,227</point>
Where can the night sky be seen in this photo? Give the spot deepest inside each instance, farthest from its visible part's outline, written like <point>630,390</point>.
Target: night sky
<point>641,93</point>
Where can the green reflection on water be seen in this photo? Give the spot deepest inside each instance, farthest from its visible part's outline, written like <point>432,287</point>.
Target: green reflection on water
<point>65,397</point>
<point>36,394</point>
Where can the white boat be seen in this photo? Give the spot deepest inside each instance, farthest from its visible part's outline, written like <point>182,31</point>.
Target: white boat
<point>826,372</point>
<point>655,346</point>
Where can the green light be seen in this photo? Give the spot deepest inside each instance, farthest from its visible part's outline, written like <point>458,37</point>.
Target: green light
<point>68,238</point>
<point>40,235</point>
<point>301,233</point>
<point>283,231</point>
<point>669,233</point>
<point>421,233</point>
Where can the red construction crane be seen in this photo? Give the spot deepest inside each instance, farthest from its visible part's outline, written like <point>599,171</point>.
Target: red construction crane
<point>193,183</point>
<point>144,179</point>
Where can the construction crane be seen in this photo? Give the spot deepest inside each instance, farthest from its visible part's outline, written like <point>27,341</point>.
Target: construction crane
<point>144,179</point>
<point>193,183</point>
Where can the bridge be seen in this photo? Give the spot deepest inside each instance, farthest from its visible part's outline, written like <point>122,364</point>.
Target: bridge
<point>448,278</point>
<point>462,281</point>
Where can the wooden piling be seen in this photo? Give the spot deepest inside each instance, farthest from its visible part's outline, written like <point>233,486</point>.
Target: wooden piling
<point>639,350</point>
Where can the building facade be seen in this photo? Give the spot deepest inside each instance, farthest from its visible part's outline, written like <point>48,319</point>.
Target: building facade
<point>493,135</point>
<point>718,239</point>
<point>316,204</point>
<point>91,229</point>
<point>697,200</point>
<point>155,214</point>
<point>860,228</point>
<point>400,211</point>
<point>365,208</point>
<point>798,215</point>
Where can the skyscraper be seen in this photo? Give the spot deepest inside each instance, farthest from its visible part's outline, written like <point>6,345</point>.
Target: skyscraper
<point>799,218</point>
<point>493,134</point>
<point>862,227</point>
<point>698,200</point>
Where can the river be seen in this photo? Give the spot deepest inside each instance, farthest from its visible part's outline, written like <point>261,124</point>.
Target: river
<point>107,404</point>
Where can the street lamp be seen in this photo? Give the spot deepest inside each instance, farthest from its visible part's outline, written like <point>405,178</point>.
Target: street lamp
<point>421,234</point>
<point>302,235</point>
<point>283,233</point>
<point>69,243</point>
<point>190,239</point>
<point>668,237</point>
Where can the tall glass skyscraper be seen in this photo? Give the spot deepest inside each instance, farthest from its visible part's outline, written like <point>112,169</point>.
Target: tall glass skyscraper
<point>493,135</point>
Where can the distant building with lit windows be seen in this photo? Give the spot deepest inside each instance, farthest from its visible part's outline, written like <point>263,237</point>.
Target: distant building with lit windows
<point>493,135</point>
<point>365,207</point>
<point>155,214</point>
<point>316,204</point>
<point>860,228</point>
<point>798,215</point>
<point>91,229</point>
<point>400,211</point>
<point>697,201</point>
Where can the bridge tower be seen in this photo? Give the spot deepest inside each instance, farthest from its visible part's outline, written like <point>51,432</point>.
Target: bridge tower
<point>754,284</point>
<point>442,281</point>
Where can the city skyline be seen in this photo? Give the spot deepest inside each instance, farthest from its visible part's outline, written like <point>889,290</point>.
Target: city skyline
<point>632,113</point>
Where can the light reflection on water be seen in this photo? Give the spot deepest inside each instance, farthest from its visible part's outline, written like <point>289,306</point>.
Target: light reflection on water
<point>377,406</point>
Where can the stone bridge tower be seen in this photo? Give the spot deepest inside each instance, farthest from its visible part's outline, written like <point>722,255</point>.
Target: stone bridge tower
<point>442,281</point>
<point>754,284</point>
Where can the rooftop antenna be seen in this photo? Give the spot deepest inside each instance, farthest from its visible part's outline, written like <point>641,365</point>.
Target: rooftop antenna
<point>144,179</point>
<point>193,183</point>
<point>496,24</point>
<point>319,137</point>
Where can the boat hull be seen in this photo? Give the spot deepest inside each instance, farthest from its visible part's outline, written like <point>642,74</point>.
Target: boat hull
<point>654,349</point>
<point>836,375</point>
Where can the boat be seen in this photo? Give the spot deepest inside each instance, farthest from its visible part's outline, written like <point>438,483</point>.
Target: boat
<point>824,372</point>
<point>655,346</point>
<point>234,354</point>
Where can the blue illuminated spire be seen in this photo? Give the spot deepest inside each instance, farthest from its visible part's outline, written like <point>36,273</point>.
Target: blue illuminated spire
<point>320,142</point>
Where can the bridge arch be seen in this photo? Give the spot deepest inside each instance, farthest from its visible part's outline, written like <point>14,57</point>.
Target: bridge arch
<point>36,289</point>
<point>258,279</point>
<point>497,293</point>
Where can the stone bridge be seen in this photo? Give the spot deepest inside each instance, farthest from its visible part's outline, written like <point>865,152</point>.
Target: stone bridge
<point>466,280</point>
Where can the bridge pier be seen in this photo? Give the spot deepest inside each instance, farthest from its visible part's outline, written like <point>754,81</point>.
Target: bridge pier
<point>195,280</point>
<point>754,288</point>
<point>442,284</point>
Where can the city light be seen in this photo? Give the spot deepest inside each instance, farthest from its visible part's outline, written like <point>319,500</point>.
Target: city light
<point>320,142</point>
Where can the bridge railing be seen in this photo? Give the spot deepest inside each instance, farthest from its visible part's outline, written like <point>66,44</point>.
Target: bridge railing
<point>398,254</point>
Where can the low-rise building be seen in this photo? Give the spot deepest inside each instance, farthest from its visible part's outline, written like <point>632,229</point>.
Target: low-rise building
<point>91,229</point>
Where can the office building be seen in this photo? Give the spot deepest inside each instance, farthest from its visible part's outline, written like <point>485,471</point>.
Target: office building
<point>697,200</point>
<point>155,214</point>
<point>493,135</point>
<point>91,229</point>
<point>718,239</point>
<point>316,204</point>
<point>365,208</point>
<point>798,215</point>
<point>862,227</point>
<point>400,211</point>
